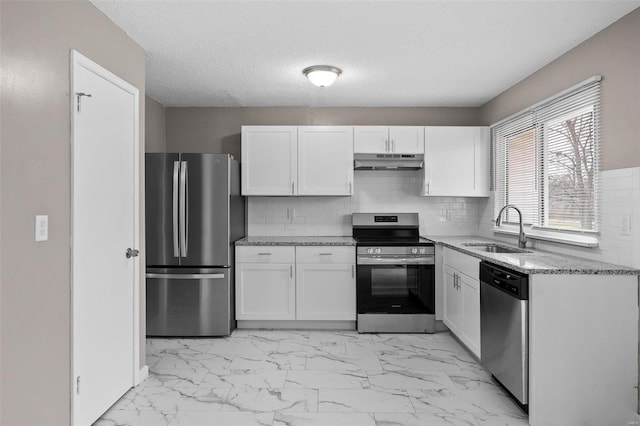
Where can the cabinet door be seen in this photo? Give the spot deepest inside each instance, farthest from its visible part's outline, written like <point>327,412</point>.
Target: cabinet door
<point>325,292</point>
<point>452,304</point>
<point>407,139</point>
<point>482,152</point>
<point>265,291</point>
<point>456,161</point>
<point>325,160</point>
<point>269,160</point>
<point>470,335</point>
<point>371,139</point>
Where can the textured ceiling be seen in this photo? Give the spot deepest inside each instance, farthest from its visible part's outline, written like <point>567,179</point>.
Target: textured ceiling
<point>392,53</point>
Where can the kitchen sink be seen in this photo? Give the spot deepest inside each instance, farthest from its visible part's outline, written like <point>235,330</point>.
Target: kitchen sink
<point>496,248</point>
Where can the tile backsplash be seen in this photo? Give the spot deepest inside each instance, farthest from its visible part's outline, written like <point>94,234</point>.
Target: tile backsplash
<point>397,191</point>
<point>374,191</point>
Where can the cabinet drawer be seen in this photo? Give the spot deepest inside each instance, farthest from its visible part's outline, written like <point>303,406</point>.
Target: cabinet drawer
<point>464,263</point>
<point>265,254</point>
<point>325,254</point>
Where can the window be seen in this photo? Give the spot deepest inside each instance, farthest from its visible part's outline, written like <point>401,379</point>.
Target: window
<point>545,162</point>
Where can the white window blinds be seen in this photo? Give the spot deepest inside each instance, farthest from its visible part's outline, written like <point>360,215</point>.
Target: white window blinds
<point>545,161</point>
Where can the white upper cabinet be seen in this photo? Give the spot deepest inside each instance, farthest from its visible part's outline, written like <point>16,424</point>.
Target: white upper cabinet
<point>269,160</point>
<point>388,139</point>
<point>371,139</point>
<point>297,160</point>
<point>456,161</point>
<point>325,160</point>
<point>406,139</point>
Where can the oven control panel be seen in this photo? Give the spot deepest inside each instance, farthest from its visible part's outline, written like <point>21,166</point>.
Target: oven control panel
<point>405,250</point>
<point>385,219</point>
<point>392,250</point>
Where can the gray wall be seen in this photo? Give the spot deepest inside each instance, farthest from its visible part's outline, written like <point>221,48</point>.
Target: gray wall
<point>155,126</point>
<point>613,53</point>
<point>36,37</point>
<point>218,129</point>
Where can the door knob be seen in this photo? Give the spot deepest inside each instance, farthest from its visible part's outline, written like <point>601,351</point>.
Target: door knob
<point>132,253</point>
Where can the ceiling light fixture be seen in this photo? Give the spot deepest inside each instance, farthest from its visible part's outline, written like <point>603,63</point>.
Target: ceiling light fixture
<point>322,75</point>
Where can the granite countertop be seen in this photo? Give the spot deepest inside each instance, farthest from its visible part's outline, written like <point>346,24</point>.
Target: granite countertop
<point>535,262</point>
<point>296,241</point>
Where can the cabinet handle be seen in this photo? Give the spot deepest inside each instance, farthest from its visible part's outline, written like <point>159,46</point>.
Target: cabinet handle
<point>290,271</point>
<point>325,254</point>
<point>350,188</point>
<point>264,254</point>
<point>386,145</point>
<point>293,190</point>
<point>426,188</point>
<point>353,271</point>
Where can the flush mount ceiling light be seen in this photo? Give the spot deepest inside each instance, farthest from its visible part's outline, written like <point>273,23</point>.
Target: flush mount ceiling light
<point>322,75</point>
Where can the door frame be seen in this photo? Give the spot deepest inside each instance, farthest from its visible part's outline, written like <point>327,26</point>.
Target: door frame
<point>79,60</point>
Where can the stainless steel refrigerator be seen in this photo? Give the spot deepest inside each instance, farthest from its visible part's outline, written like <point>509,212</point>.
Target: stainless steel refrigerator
<point>194,213</point>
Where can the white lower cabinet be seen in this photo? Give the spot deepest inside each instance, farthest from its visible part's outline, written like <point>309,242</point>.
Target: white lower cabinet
<point>265,291</point>
<point>462,297</point>
<point>265,283</point>
<point>452,316</point>
<point>295,283</point>
<point>470,333</point>
<point>325,292</point>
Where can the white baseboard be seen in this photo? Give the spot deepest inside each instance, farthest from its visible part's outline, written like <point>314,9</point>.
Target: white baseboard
<point>298,325</point>
<point>440,326</point>
<point>142,374</point>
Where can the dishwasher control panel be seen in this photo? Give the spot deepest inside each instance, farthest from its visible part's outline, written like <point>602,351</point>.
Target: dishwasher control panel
<point>513,283</point>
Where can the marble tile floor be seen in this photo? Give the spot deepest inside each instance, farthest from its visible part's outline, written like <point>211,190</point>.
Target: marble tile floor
<point>309,378</point>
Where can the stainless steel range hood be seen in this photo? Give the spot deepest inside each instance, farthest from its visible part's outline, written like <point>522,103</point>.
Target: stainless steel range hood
<point>388,161</point>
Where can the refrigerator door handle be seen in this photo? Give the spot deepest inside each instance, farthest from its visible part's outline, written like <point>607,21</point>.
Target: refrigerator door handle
<point>183,209</point>
<point>185,276</point>
<point>176,244</point>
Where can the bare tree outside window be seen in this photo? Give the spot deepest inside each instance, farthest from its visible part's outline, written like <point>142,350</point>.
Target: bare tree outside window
<point>570,172</point>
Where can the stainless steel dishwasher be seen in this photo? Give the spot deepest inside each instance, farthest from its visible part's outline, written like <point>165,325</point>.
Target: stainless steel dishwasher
<point>504,328</point>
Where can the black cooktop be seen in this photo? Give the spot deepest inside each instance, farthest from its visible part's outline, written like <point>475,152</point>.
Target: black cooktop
<point>390,242</point>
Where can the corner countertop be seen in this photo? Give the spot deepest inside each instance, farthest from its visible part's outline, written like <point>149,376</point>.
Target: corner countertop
<point>536,262</point>
<point>296,241</point>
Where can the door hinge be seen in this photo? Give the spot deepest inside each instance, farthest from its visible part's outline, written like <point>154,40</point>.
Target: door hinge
<point>78,385</point>
<point>79,95</point>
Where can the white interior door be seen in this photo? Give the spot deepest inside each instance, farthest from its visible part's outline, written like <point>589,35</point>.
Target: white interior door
<point>104,226</point>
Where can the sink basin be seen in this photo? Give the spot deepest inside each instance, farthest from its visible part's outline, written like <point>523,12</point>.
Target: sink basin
<point>496,248</point>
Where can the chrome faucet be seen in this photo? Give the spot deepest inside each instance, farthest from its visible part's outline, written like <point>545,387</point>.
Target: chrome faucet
<point>522,238</point>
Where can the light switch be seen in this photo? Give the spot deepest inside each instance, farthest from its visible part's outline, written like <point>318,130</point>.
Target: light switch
<point>42,227</point>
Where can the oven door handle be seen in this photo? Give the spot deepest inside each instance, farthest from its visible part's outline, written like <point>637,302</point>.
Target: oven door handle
<point>365,260</point>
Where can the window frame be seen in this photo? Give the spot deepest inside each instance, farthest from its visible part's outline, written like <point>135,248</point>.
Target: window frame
<point>540,117</point>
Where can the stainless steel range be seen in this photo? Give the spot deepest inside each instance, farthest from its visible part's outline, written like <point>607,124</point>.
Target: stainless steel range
<point>395,278</point>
